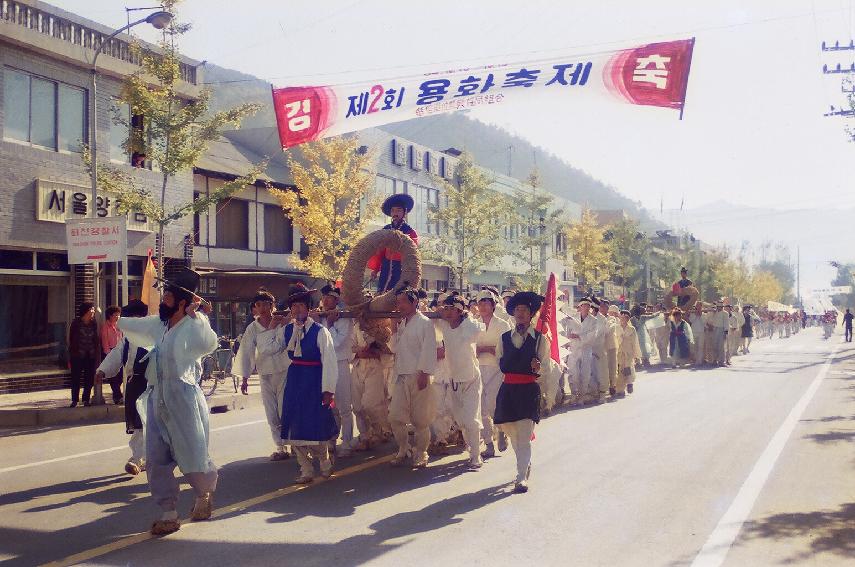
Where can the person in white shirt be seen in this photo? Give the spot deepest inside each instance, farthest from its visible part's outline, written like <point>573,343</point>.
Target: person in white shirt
<point>341,331</point>
<point>491,376</point>
<point>459,335</point>
<point>698,321</point>
<point>413,401</point>
<point>720,322</point>
<point>370,407</point>
<point>128,359</point>
<point>271,370</point>
<point>611,313</point>
<point>521,352</point>
<point>733,331</point>
<point>308,423</point>
<point>588,335</point>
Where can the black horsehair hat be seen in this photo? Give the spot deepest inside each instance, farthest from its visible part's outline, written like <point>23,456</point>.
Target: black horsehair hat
<point>135,308</point>
<point>299,293</point>
<point>331,290</point>
<point>182,284</point>
<point>397,200</point>
<point>529,298</point>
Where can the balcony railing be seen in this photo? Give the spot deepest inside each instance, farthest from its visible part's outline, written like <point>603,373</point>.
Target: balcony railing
<point>77,34</point>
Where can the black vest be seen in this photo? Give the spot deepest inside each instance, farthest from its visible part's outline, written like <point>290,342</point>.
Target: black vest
<point>139,367</point>
<point>518,360</point>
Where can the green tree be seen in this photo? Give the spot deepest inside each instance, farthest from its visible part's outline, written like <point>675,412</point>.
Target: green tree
<point>628,244</point>
<point>334,183</point>
<point>471,222</point>
<point>176,133</point>
<point>539,220</point>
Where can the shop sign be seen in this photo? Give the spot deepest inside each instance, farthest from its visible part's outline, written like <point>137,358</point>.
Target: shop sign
<point>59,202</point>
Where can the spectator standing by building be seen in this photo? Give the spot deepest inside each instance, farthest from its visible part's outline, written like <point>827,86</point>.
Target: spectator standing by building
<point>83,352</point>
<point>111,336</point>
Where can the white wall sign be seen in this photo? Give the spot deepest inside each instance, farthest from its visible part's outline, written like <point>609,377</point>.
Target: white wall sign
<point>96,240</point>
<point>59,202</point>
<point>834,290</point>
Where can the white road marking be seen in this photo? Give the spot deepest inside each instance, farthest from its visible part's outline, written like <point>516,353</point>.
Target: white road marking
<point>715,550</point>
<point>111,449</point>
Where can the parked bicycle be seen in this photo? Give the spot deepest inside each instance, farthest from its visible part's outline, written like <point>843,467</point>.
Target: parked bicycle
<point>217,368</point>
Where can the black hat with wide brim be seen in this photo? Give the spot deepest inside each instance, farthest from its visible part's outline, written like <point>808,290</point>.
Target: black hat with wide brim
<point>529,298</point>
<point>135,308</point>
<point>185,281</point>
<point>299,293</point>
<point>398,200</point>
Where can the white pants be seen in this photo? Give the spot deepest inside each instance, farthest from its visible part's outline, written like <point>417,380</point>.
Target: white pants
<point>720,355</point>
<point>597,374</point>
<point>491,380</point>
<point>137,445</point>
<point>305,454</point>
<point>700,346</point>
<point>343,403</point>
<point>574,369</point>
<point>464,400</point>
<point>272,396</point>
<point>369,398</point>
<point>443,421</point>
<point>603,377</point>
<point>415,407</point>
<point>519,433</point>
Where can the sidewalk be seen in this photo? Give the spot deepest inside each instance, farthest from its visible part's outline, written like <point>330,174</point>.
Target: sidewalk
<point>50,407</point>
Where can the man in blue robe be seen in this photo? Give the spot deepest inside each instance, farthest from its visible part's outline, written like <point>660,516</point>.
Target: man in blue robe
<point>308,423</point>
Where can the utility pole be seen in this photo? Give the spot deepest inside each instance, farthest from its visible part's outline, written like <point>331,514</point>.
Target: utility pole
<point>798,275</point>
<point>510,161</point>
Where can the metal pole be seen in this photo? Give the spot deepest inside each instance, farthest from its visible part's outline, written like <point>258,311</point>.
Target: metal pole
<point>98,396</point>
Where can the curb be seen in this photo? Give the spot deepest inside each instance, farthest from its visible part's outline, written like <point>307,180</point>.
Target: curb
<point>107,413</point>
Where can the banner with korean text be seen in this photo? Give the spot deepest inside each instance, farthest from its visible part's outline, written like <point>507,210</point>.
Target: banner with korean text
<point>654,74</point>
<point>97,240</point>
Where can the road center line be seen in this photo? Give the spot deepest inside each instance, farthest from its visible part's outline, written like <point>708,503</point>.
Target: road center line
<point>110,449</point>
<point>134,539</point>
<point>716,548</point>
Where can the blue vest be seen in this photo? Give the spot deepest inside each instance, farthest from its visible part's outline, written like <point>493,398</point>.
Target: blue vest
<point>309,343</point>
<point>518,360</point>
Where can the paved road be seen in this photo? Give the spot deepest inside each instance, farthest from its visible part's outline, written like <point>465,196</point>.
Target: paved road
<point>750,465</point>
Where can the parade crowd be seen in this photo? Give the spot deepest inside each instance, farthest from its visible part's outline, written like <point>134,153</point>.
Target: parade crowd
<point>457,370</point>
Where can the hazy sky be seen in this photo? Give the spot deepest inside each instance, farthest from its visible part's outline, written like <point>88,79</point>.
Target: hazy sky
<point>753,131</point>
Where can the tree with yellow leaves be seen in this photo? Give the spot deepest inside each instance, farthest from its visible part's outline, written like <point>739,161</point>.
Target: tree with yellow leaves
<point>764,287</point>
<point>592,255</point>
<point>334,183</point>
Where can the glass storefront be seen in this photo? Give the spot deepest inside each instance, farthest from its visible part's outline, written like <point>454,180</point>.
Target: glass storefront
<point>35,312</point>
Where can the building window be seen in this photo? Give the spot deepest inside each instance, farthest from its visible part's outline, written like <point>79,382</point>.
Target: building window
<point>42,112</point>
<point>278,231</point>
<point>196,221</point>
<point>121,117</point>
<point>16,260</point>
<point>385,186</point>
<point>233,224</point>
<point>120,122</point>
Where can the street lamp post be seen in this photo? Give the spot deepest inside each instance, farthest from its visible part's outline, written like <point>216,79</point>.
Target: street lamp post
<point>158,20</point>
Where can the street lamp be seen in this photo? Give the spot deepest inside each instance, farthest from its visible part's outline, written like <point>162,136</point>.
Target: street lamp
<point>159,20</point>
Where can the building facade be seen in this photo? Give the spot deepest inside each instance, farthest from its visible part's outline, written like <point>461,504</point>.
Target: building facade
<point>46,56</point>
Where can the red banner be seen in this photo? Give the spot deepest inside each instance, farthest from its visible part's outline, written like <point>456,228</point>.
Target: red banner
<point>547,323</point>
<point>654,74</point>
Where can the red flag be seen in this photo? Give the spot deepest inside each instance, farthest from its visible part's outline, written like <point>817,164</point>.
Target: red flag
<point>547,323</point>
